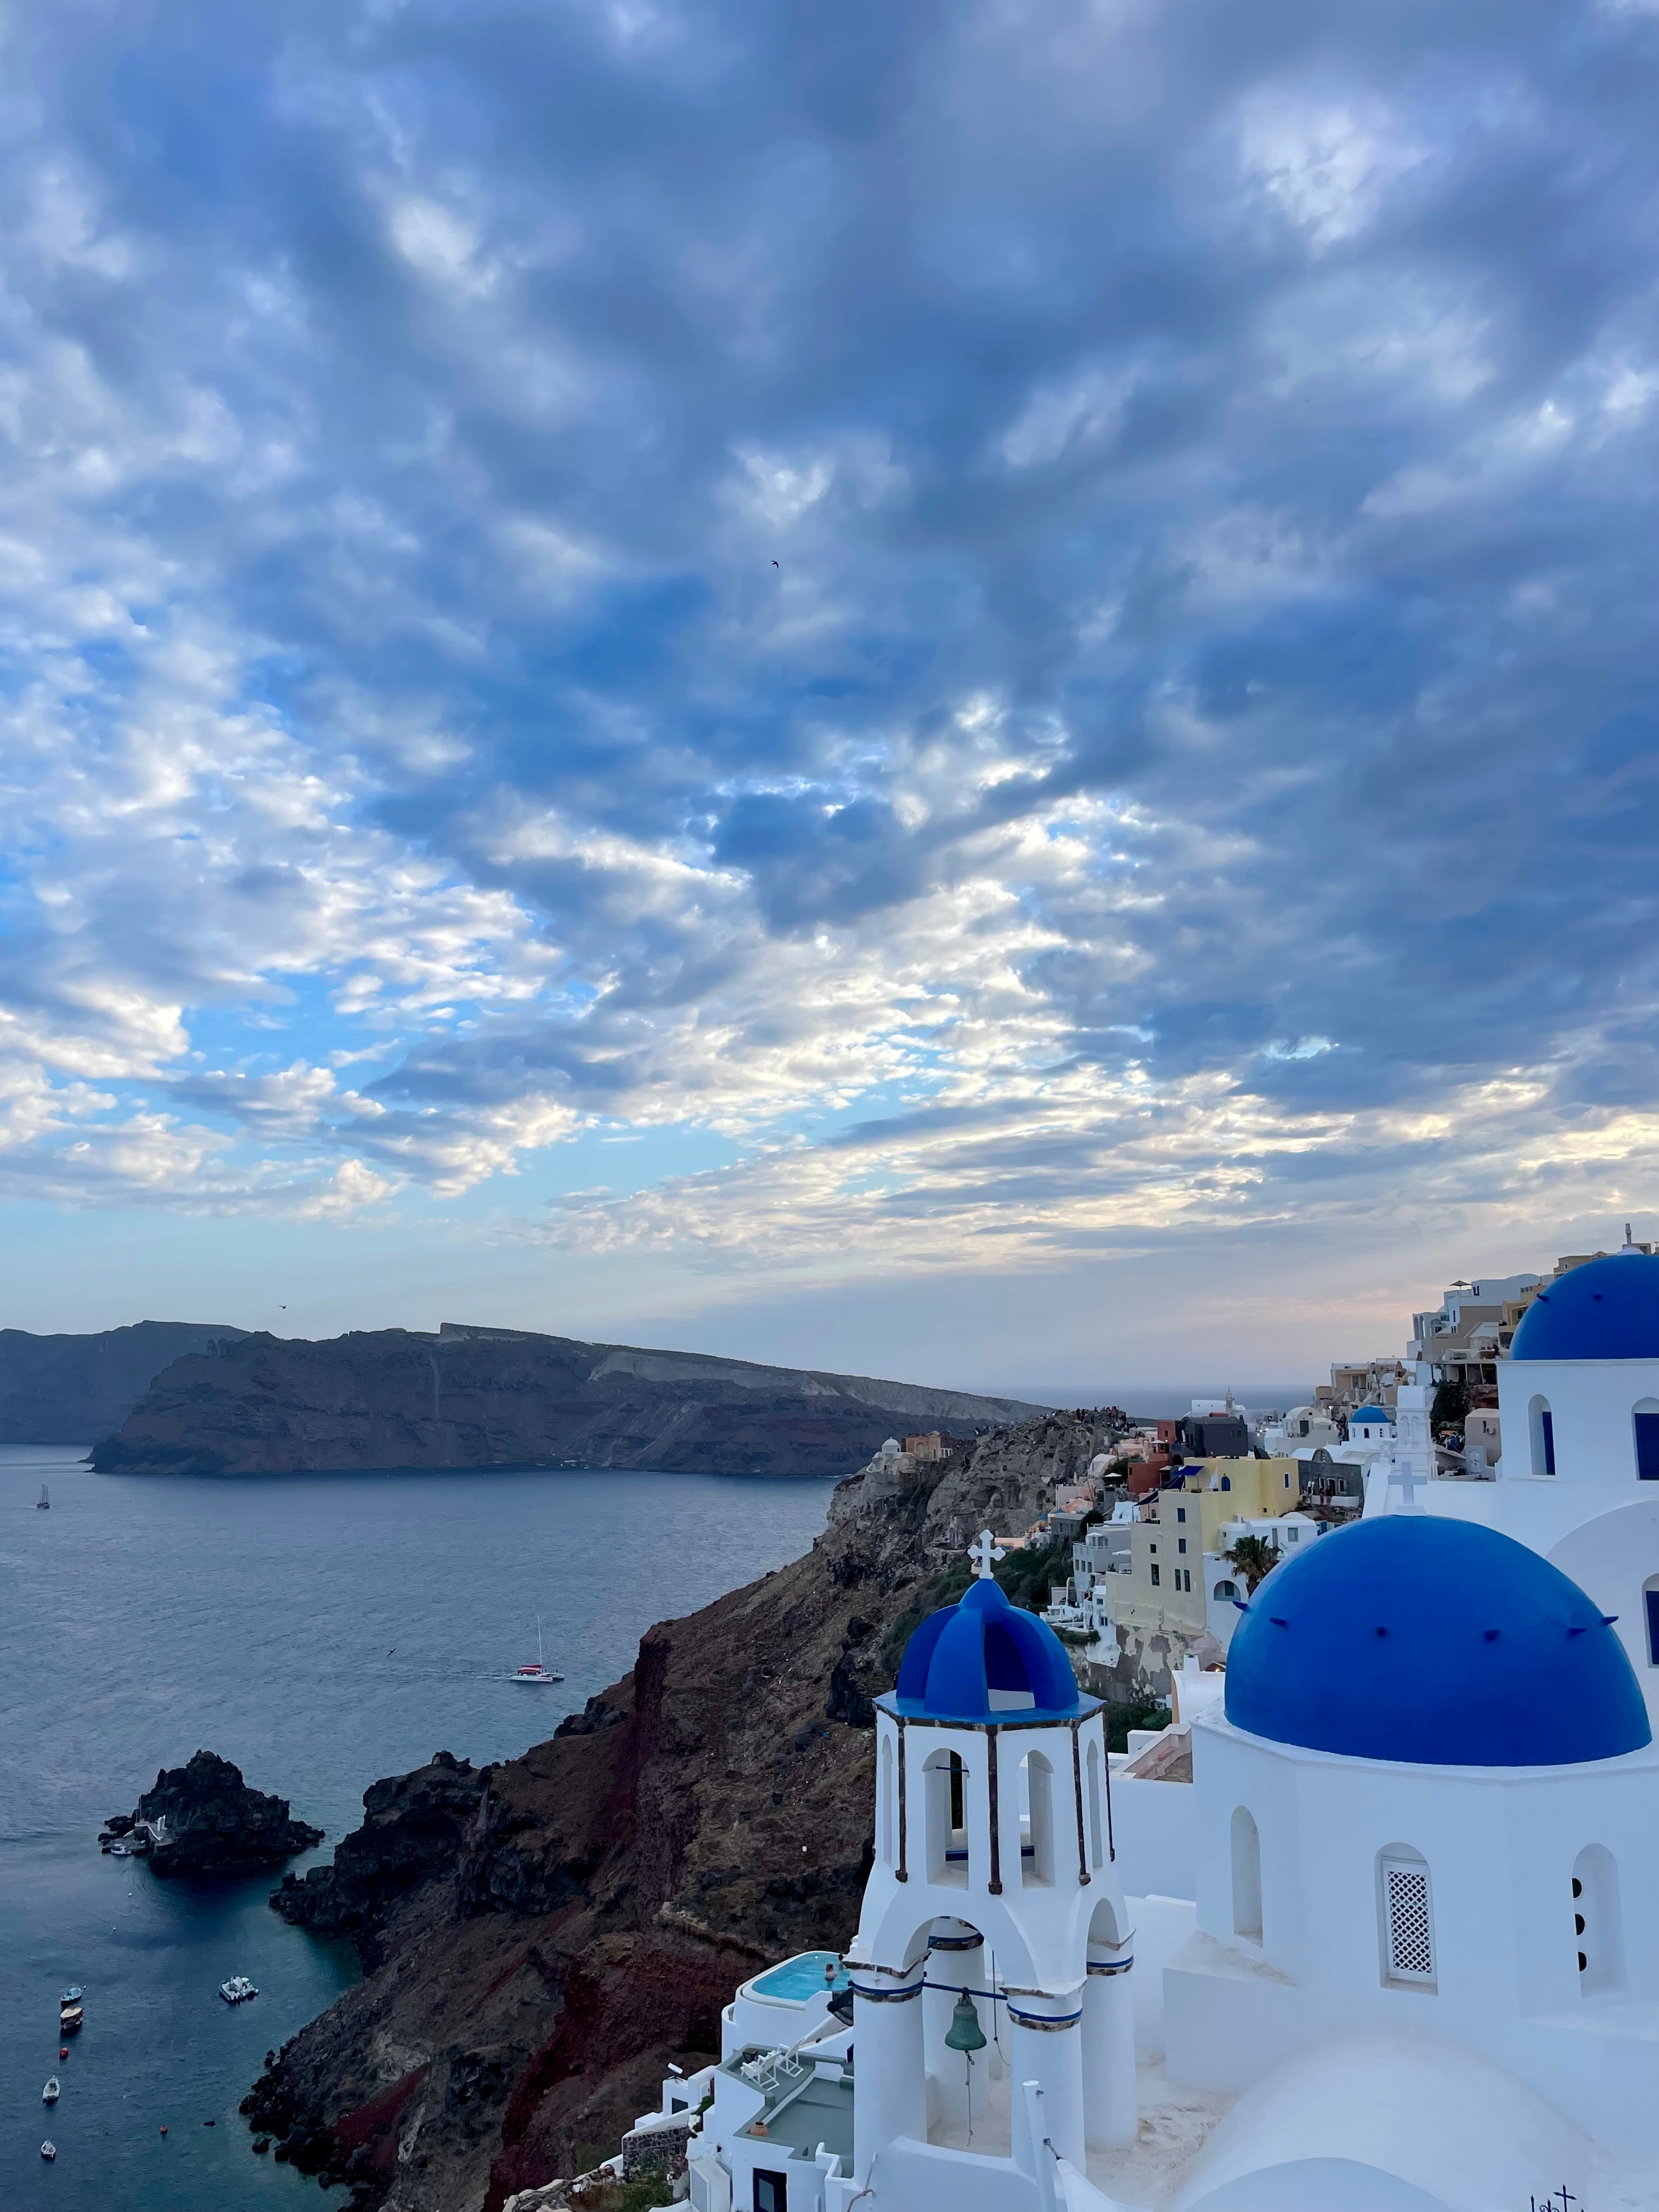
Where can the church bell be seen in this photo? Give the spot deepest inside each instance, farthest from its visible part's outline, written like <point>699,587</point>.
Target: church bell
<point>964,2032</point>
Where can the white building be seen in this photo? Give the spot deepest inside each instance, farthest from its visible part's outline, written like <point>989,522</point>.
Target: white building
<point>1578,1478</point>
<point>1414,1965</point>
<point>1370,1429</point>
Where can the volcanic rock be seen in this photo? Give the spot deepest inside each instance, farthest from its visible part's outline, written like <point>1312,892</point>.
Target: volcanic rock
<point>203,1819</point>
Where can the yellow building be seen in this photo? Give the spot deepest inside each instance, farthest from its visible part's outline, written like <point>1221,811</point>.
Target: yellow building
<point>1164,1591</point>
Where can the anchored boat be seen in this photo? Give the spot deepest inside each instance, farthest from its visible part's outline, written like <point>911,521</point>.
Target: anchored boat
<point>238,1990</point>
<point>51,2092</point>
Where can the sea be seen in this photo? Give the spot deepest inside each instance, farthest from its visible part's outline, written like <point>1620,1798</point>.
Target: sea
<point>321,1631</point>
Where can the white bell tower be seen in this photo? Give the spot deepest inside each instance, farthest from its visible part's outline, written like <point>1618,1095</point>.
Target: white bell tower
<point>994,1881</point>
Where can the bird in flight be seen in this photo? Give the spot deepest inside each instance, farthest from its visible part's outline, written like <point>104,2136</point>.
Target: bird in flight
<point>775,564</point>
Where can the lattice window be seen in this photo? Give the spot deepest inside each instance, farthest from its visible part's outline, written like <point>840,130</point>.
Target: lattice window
<point>1410,1925</point>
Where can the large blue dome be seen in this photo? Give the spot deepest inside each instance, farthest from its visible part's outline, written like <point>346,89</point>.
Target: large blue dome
<point>986,1660</point>
<point>1436,1641</point>
<point>1605,1309</point>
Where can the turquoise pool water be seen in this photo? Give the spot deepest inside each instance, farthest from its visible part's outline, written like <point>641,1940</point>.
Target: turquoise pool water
<point>797,1980</point>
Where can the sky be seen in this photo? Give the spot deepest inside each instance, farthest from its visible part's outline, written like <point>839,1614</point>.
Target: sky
<point>965,691</point>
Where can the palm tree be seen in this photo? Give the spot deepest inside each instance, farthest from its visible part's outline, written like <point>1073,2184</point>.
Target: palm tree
<point>1255,1558</point>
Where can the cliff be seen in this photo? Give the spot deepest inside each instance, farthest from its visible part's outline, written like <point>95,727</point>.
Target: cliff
<point>544,1937</point>
<point>201,1819</point>
<point>472,1397</point>
<point>68,1389</point>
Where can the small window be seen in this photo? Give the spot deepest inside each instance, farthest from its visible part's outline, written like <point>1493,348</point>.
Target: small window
<point>1292,1536</point>
<point>1181,1513</point>
<point>1226,1482</point>
<point>1647,1440</point>
<point>1541,1425</point>
<point>771,2192</point>
<point>1155,1578</point>
<point>1181,1544</point>
<point>1247,1877</point>
<point>1651,1606</point>
<point>1407,1919</point>
<point>1225,1591</point>
<point>1287,1478</point>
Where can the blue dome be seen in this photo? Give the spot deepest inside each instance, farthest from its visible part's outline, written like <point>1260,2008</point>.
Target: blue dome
<point>1607,1309</point>
<point>986,1660</point>
<point>1371,1413</point>
<point>1436,1641</point>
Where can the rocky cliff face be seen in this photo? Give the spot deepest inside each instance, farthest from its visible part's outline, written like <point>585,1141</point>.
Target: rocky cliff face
<point>68,1389</point>
<point>201,1819</point>
<point>502,1398</point>
<point>543,1936</point>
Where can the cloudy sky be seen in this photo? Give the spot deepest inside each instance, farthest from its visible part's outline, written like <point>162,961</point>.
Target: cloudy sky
<point>960,689</point>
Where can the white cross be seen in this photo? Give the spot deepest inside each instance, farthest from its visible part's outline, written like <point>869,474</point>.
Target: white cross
<point>1408,1478</point>
<point>983,1553</point>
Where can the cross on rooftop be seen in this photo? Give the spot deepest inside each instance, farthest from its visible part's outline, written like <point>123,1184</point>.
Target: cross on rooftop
<point>984,1554</point>
<point>1408,1478</point>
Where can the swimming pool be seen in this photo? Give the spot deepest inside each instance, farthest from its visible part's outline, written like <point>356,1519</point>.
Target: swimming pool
<point>798,1979</point>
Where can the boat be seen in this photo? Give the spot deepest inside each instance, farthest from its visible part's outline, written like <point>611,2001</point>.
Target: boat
<point>68,2020</point>
<point>120,1850</point>
<point>48,2150</point>
<point>43,1504</point>
<point>52,2091</point>
<point>238,1990</point>
<point>536,1670</point>
<point>73,1994</point>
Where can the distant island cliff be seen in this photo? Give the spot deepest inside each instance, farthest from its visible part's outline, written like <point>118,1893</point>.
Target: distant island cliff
<point>484,1397</point>
<point>68,1389</point>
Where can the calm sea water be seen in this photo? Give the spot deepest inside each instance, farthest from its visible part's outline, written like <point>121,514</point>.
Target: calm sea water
<point>321,1631</point>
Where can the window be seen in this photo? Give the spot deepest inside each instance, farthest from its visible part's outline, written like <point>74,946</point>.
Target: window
<point>1287,1478</point>
<point>1406,1915</point>
<point>885,1794</point>
<point>1646,1420</point>
<point>1224,1590</point>
<point>1651,1606</point>
<point>1292,1536</point>
<point>942,1793</point>
<point>1181,1544</point>
<point>1247,1877</point>
<point>1595,1921</point>
<point>1181,1513</point>
<point>1154,1577</point>
<point>1036,1857</point>
<point>771,2192</point>
<point>1541,1425</point>
<point>1226,1482</point>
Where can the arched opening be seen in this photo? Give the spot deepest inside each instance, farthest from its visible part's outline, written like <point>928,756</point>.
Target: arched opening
<point>1595,1920</point>
<point>884,1792</point>
<point>1540,1428</point>
<point>1226,1482</point>
<point>1247,1877</point>
<point>1037,1810</point>
<point>1405,1911</point>
<point>1644,1421</point>
<point>1224,1590</point>
<point>1097,1825</point>
<point>1651,1609</point>
<point>944,1791</point>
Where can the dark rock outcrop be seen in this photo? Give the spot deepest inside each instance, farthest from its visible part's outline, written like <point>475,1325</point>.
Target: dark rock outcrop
<point>545,1936</point>
<point>469,1397</point>
<point>68,1389</point>
<point>203,1819</point>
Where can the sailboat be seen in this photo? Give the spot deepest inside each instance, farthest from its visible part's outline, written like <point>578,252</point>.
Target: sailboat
<point>535,1670</point>
<point>43,1504</point>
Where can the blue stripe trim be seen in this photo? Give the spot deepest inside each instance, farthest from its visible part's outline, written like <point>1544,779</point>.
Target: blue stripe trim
<point>885,1997</point>
<point>1043,2019</point>
<point>1116,1966</point>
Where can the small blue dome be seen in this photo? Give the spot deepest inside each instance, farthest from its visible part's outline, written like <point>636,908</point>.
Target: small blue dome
<point>1372,1414</point>
<point>1436,1641</point>
<point>1605,1309</point>
<point>985,1659</point>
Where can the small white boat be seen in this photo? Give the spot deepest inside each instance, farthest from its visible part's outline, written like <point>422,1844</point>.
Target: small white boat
<point>48,2150</point>
<point>238,1990</point>
<point>120,1850</point>
<point>51,2092</point>
<point>73,1994</point>
<point>43,1504</point>
<point>536,1670</point>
